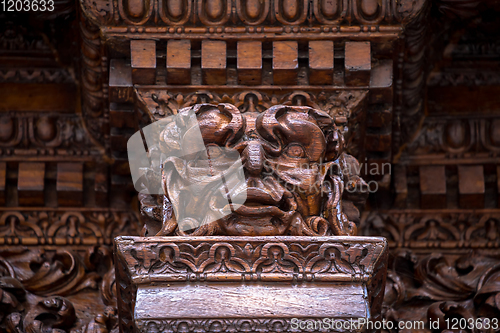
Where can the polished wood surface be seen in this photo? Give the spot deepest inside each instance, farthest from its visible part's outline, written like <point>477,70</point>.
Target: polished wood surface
<point>205,282</point>
<point>411,85</point>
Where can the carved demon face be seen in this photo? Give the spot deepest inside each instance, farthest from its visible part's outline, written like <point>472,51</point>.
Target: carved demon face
<point>290,159</point>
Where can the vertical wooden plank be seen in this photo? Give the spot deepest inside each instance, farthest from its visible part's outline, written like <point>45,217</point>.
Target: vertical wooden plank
<point>118,139</point>
<point>101,185</point>
<point>213,62</point>
<point>69,184</point>
<point>471,186</point>
<point>381,78</point>
<point>178,62</point>
<point>400,186</point>
<point>285,62</point>
<point>143,61</point>
<point>357,63</point>
<point>122,116</point>
<point>321,62</point>
<point>498,184</point>
<point>249,62</point>
<point>378,142</point>
<point>3,176</point>
<point>432,187</point>
<point>120,82</point>
<point>30,184</point>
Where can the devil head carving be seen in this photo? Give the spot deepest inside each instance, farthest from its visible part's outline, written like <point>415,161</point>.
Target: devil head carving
<point>280,172</point>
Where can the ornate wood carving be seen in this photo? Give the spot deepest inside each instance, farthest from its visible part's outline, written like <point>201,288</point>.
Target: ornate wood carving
<point>94,79</point>
<point>69,101</point>
<point>303,261</point>
<point>436,287</point>
<point>44,289</point>
<point>299,180</point>
<point>428,229</point>
<point>458,137</point>
<point>64,227</point>
<point>180,15</point>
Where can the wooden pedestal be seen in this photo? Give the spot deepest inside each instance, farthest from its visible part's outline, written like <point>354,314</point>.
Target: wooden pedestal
<point>248,284</point>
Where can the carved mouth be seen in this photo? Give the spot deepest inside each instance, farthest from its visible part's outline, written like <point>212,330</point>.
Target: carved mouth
<point>261,210</point>
<point>256,196</point>
<point>260,202</point>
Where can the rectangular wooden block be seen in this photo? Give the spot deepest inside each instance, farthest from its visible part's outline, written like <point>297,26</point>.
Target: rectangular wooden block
<point>30,184</point>
<point>119,137</point>
<point>400,186</point>
<point>122,116</point>
<point>498,184</point>
<point>120,81</point>
<point>46,97</point>
<point>379,117</point>
<point>357,63</point>
<point>213,62</point>
<point>249,62</point>
<point>69,184</point>
<point>471,186</point>
<point>378,142</point>
<point>321,62</point>
<point>432,187</point>
<point>179,62</point>
<point>238,299</point>
<point>3,176</point>
<point>143,61</point>
<point>381,77</point>
<point>285,62</point>
<point>265,300</point>
<point>101,185</point>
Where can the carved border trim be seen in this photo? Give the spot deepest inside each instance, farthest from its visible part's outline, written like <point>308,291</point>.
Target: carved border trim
<point>237,325</point>
<point>249,259</point>
<point>446,229</point>
<point>282,259</point>
<point>286,12</point>
<point>242,33</point>
<point>71,226</point>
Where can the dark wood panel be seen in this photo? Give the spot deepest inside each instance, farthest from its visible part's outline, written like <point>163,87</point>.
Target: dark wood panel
<point>38,97</point>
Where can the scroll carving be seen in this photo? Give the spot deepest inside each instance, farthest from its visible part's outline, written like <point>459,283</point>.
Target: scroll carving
<point>38,289</point>
<point>68,228</point>
<point>449,229</point>
<point>444,286</point>
<point>249,259</point>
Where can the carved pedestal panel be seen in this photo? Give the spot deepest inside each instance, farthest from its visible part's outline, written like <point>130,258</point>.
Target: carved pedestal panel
<point>248,284</point>
<point>412,85</point>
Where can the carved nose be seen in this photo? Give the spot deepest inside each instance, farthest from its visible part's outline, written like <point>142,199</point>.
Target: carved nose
<point>253,156</point>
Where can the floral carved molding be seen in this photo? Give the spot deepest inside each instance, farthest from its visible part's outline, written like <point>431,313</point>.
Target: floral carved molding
<point>145,261</point>
<point>192,13</point>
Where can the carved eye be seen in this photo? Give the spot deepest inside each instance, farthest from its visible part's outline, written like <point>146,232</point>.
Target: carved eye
<point>295,151</point>
<point>212,152</point>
